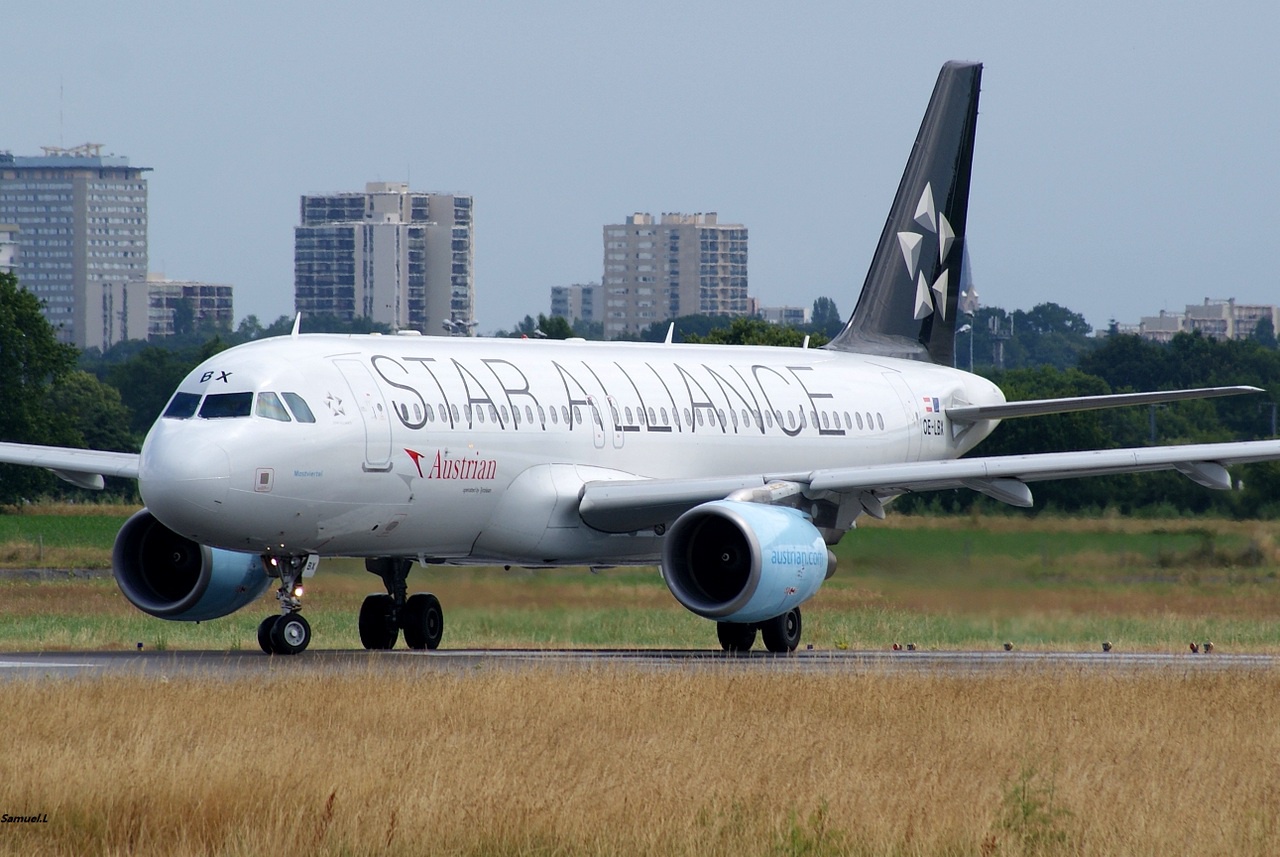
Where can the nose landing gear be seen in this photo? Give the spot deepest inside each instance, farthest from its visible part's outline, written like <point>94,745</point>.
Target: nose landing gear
<point>382,617</point>
<point>287,633</point>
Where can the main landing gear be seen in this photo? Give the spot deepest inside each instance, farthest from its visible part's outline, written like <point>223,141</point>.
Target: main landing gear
<point>781,633</point>
<point>383,617</point>
<point>287,633</point>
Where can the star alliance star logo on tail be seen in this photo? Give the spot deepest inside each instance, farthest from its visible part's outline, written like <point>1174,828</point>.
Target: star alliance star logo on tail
<point>928,297</point>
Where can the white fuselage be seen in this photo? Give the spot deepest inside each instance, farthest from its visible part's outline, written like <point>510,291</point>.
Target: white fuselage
<point>476,449</point>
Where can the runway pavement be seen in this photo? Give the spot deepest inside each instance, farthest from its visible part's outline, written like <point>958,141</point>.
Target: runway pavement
<point>231,664</point>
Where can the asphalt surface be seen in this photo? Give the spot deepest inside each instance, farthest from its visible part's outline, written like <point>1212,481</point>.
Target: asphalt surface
<point>232,665</point>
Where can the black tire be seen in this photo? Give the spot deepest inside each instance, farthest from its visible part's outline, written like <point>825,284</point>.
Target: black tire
<point>736,636</point>
<point>290,634</point>
<point>377,622</point>
<point>422,621</point>
<point>782,633</point>
<point>264,634</point>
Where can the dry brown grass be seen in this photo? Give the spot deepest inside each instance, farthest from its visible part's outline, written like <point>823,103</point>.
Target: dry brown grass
<point>631,762</point>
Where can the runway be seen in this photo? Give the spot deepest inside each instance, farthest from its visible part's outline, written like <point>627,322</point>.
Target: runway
<point>226,665</point>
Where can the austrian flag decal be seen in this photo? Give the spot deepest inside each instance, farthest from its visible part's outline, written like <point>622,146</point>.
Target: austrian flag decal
<point>931,405</point>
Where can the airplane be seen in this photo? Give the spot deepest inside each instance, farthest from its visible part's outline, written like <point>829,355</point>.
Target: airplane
<point>733,468</point>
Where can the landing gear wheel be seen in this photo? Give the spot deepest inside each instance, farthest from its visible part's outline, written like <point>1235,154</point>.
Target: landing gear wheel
<point>286,633</point>
<point>736,636</point>
<point>422,621</point>
<point>378,622</point>
<point>290,634</point>
<point>264,633</point>
<point>782,633</point>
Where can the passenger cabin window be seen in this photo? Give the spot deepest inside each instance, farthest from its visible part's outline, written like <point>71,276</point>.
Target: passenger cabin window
<point>182,406</point>
<point>270,407</point>
<point>223,405</point>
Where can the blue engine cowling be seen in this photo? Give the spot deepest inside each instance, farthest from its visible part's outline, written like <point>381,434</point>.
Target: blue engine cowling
<point>744,562</point>
<point>174,578</point>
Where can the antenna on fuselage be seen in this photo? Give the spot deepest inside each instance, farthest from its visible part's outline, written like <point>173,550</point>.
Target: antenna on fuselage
<point>671,331</point>
<point>297,325</point>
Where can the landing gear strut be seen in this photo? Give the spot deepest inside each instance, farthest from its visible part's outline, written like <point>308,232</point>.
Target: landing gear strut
<point>287,633</point>
<point>781,633</point>
<point>383,617</point>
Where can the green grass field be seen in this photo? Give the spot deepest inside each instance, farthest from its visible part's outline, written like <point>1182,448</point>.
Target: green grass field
<point>951,583</point>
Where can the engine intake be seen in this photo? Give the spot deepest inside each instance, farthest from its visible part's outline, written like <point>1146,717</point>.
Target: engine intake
<point>744,562</point>
<point>172,577</point>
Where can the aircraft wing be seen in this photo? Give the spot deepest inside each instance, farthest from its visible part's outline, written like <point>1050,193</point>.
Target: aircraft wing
<point>82,467</point>
<point>632,505</point>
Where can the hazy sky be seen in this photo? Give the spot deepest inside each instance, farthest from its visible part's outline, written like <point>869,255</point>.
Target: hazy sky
<point>1128,154</point>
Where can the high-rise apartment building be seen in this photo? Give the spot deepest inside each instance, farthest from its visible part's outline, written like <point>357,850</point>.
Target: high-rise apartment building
<point>82,240</point>
<point>391,255</point>
<point>174,304</point>
<point>681,264</point>
<point>8,247</point>
<point>576,302</point>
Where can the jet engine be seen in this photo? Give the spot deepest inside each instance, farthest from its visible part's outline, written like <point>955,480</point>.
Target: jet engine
<point>174,578</point>
<point>744,562</point>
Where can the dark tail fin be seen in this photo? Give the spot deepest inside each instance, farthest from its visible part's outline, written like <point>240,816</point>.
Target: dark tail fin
<point>908,303</point>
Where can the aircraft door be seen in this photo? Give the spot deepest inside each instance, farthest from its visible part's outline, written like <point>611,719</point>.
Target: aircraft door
<point>597,422</point>
<point>373,413</point>
<point>911,410</point>
<point>617,426</point>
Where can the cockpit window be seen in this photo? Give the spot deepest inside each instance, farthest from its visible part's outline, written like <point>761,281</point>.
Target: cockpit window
<point>222,405</point>
<point>182,406</point>
<point>269,406</point>
<point>301,412</point>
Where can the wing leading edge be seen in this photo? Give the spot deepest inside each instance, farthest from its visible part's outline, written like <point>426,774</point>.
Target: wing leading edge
<point>81,467</point>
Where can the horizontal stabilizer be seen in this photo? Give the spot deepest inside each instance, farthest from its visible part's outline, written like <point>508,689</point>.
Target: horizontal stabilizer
<point>1041,407</point>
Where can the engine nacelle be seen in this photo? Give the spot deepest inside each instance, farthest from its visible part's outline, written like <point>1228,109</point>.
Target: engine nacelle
<point>174,578</point>
<point>744,562</point>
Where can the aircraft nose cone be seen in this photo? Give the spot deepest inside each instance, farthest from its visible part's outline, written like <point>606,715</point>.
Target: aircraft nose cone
<point>182,481</point>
